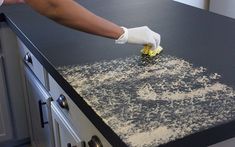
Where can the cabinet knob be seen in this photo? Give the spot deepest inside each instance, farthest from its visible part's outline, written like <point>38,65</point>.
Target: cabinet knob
<point>28,58</point>
<point>63,102</point>
<point>95,142</point>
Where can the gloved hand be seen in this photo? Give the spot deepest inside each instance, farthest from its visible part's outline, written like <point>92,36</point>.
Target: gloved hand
<point>1,2</point>
<point>140,35</point>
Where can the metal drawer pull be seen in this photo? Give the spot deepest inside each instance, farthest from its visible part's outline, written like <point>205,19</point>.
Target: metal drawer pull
<point>95,142</point>
<point>83,144</point>
<point>40,103</point>
<point>69,145</point>
<point>28,58</point>
<point>63,102</point>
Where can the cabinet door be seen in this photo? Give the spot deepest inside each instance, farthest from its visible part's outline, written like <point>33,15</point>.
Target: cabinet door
<point>39,108</point>
<point>5,123</point>
<point>14,82</point>
<point>64,134</point>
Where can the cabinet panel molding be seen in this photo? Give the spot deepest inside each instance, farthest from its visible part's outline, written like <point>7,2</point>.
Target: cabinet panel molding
<point>5,120</point>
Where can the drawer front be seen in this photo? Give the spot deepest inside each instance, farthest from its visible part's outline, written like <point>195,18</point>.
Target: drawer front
<point>32,62</point>
<point>83,126</point>
<point>64,133</point>
<point>38,103</point>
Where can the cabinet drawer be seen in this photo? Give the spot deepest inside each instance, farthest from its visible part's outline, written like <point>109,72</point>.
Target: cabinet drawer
<point>32,62</point>
<point>64,132</point>
<point>81,123</point>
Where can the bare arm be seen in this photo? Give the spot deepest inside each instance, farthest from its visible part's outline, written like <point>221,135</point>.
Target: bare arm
<point>72,14</point>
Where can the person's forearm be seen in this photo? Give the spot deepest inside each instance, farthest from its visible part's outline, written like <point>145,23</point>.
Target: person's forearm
<point>71,14</point>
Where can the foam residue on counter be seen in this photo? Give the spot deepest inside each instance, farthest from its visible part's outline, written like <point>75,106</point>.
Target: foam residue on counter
<point>151,101</point>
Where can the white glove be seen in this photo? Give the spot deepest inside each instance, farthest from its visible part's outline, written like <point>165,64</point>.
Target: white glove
<point>1,2</point>
<point>140,35</point>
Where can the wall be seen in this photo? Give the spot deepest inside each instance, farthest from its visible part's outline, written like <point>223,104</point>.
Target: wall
<point>224,7</point>
<point>203,4</point>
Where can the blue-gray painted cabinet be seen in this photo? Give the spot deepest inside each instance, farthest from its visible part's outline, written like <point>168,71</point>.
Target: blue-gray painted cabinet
<point>38,100</point>
<point>13,122</point>
<point>64,133</point>
<point>5,121</point>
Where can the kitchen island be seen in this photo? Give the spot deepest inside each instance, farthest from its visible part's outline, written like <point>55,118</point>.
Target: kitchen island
<point>184,97</point>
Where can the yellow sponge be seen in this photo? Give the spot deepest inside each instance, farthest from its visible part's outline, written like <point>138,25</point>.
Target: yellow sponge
<point>147,51</point>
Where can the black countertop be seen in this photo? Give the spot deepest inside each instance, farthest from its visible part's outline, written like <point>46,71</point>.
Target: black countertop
<point>197,37</point>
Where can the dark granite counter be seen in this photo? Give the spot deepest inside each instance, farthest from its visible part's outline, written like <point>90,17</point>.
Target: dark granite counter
<point>184,97</point>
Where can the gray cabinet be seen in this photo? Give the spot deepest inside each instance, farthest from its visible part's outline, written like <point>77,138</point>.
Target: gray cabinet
<point>38,101</point>
<point>64,133</point>
<point>13,122</point>
<point>5,122</point>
